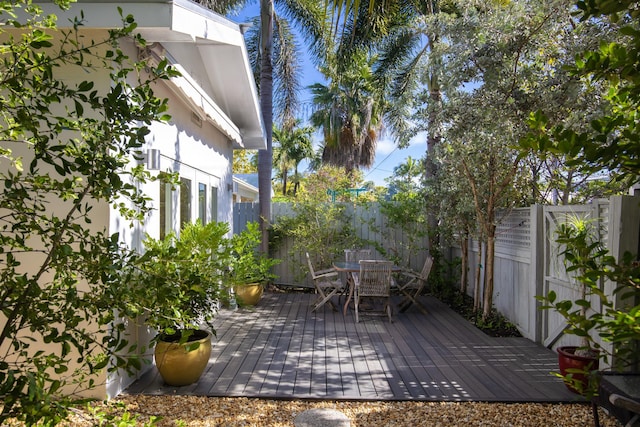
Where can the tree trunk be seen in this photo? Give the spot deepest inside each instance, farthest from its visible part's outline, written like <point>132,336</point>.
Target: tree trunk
<point>464,265</point>
<point>476,291</point>
<point>265,157</point>
<point>430,170</point>
<point>488,284</point>
<point>284,183</point>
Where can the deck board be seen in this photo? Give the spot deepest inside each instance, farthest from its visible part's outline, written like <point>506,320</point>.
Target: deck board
<point>280,349</point>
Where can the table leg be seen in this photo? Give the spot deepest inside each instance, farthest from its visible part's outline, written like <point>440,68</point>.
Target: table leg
<point>351,284</point>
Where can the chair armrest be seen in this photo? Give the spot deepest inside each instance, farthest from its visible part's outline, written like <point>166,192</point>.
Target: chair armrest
<point>326,273</point>
<point>625,403</point>
<point>409,273</point>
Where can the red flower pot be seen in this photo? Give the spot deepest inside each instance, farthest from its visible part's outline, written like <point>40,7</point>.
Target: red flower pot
<point>579,368</point>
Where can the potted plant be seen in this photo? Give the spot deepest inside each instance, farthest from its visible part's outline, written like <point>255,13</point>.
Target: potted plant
<point>615,318</point>
<point>178,284</point>
<point>249,269</point>
<point>583,256</point>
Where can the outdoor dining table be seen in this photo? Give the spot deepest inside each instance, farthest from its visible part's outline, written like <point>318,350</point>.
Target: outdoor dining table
<point>352,268</point>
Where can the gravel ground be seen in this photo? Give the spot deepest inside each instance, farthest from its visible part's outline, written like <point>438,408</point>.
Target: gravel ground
<point>191,411</point>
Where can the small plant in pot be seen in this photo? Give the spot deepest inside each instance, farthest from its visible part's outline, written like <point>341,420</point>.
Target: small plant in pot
<point>178,282</point>
<point>249,269</point>
<point>585,260</point>
<point>615,320</point>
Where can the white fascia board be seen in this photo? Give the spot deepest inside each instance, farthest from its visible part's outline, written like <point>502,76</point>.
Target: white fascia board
<point>101,14</point>
<point>245,185</point>
<point>202,24</point>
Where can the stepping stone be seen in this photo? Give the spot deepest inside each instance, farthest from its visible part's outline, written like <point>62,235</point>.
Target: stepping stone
<point>321,417</point>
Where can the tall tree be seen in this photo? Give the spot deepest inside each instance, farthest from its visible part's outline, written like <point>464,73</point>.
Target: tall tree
<point>349,111</point>
<point>409,66</point>
<point>310,18</point>
<point>611,143</point>
<point>265,157</point>
<point>60,273</point>
<point>507,54</point>
<point>294,146</point>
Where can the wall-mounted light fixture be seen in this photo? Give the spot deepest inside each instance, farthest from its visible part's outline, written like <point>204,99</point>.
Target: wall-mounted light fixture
<point>150,158</point>
<point>229,187</point>
<point>153,159</point>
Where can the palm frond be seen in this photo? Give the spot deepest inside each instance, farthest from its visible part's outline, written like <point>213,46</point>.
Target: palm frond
<point>287,72</point>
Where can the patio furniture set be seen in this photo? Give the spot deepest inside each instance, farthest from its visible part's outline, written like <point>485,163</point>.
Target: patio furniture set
<point>368,278</point>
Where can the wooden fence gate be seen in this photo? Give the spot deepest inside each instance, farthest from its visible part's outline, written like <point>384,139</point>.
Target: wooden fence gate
<point>555,277</point>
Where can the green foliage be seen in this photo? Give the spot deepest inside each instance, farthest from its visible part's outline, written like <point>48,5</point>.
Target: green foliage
<point>349,110</point>
<point>176,284</point>
<point>247,264</point>
<point>295,144</point>
<point>245,161</point>
<point>64,150</point>
<point>317,225</point>
<point>321,228</point>
<point>612,142</point>
<point>405,210</point>
<point>115,415</point>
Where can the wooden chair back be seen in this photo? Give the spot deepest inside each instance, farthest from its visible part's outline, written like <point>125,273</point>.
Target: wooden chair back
<point>374,279</point>
<point>355,255</point>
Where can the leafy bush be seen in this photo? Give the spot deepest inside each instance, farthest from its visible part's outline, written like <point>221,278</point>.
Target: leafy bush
<point>178,281</point>
<point>60,274</point>
<point>247,264</point>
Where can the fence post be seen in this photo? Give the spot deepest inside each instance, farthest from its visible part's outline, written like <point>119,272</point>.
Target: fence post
<point>536,268</point>
<point>624,235</point>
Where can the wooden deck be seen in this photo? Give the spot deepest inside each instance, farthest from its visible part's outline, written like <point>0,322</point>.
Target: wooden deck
<point>281,349</point>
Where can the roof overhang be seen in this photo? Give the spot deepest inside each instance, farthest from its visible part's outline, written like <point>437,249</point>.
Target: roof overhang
<point>232,104</point>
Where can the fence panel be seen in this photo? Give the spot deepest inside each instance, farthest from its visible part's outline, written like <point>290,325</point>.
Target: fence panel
<point>527,264</point>
<point>555,275</point>
<point>244,213</point>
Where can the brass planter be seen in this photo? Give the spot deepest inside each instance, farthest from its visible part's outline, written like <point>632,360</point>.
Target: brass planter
<point>249,294</point>
<point>179,367</point>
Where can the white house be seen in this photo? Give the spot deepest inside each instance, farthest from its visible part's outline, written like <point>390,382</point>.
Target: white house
<point>245,188</point>
<point>214,108</point>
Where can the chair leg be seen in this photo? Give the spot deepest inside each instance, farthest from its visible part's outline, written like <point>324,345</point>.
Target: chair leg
<point>411,299</point>
<point>356,302</point>
<point>324,299</point>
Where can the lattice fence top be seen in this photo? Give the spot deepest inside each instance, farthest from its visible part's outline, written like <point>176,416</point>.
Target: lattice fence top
<point>515,229</point>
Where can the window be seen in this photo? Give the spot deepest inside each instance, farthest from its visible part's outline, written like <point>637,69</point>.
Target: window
<point>166,212</point>
<point>202,202</point>
<point>185,201</point>
<point>214,204</point>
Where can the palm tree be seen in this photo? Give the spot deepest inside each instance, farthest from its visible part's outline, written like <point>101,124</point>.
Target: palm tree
<point>295,145</point>
<point>309,15</point>
<point>406,34</point>
<point>349,110</point>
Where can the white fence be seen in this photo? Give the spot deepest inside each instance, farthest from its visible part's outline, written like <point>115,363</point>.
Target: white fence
<point>526,263</point>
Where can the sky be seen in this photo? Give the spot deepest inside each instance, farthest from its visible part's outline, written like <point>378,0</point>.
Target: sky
<point>387,154</point>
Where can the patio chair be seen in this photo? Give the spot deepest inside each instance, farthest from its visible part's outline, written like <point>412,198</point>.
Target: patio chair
<point>374,282</point>
<point>355,255</point>
<point>327,284</point>
<point>413,286</point>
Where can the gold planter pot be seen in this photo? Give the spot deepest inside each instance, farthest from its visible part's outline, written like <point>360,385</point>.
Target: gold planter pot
<point>179,367</point>
<point>249,294</point>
